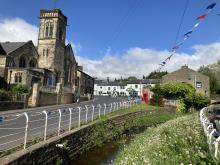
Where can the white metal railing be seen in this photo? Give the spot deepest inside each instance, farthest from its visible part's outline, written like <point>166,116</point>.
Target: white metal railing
<point>213,136</point>
<point>43,124</point>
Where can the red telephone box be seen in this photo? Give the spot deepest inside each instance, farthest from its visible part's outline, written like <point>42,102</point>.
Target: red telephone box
<point>145,96</point>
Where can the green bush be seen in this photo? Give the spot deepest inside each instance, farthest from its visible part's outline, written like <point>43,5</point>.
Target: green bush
<point>157,98</point>
<point>20,89</point>
<point>186,93</point>
<point>177,90</point>
<point>181,106</point>
<point>200,100</point>
<point>4,95</point>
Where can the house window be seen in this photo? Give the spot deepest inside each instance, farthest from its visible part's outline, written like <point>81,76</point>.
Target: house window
<point>109,88</point>
<point>100,87</point>
<point>122,87</point>
<point>18,77</point>
<point>198,84</point>
<point>136,86</point>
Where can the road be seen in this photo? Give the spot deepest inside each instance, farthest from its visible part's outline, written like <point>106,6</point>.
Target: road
<point>12,129</point>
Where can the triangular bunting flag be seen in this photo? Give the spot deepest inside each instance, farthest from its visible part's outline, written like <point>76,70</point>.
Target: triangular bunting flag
<point>201,17</point>
<point>211,6</point>
<point>196,25</point>
<point>188,33</point>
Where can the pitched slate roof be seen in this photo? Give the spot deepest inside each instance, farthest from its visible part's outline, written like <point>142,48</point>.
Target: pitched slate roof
<point>184,72</point>
<point>145,81</point>
<point>2,52</point>
<point>11,46</point>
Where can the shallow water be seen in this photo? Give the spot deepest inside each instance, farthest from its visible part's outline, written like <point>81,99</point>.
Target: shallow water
<point>103,155</point>
<point>106,154</point>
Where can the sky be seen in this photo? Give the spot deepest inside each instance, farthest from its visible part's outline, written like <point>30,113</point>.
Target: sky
<point>114,38</point>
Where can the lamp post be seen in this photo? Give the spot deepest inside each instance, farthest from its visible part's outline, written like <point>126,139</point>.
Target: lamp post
<point>9,83</point>
<point>140,88</point>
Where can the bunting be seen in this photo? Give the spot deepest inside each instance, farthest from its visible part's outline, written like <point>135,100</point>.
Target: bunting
<point>187,35</point>
<point>211,6</point>
<point>201,17</point>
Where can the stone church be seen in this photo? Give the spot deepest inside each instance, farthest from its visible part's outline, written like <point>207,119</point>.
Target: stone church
<point>49,63</point>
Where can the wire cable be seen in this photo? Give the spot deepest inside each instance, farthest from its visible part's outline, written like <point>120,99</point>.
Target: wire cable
<point>181,21</point>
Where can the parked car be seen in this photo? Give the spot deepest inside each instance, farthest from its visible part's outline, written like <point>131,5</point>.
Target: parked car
<point>215,117</point>
<point>216,113</point>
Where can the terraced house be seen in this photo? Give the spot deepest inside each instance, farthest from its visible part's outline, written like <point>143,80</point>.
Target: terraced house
<point>186,75</point>
<point>50,63</point>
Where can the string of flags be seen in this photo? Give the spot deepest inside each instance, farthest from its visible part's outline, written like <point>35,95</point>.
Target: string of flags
<point>187,35</point>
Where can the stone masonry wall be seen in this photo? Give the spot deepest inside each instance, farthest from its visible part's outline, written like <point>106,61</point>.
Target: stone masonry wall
<point>189,76</point>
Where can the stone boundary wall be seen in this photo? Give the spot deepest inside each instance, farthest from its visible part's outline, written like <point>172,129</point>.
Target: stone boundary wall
<point>47,98</point>
<point>174,103</point>
<point>10,105</point>
<point>43,96</point>
<point>79,141</point>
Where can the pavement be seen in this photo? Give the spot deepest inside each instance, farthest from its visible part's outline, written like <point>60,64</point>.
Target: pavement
<point>13,126</point>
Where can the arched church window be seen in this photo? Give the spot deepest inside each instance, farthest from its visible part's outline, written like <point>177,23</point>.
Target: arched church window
<point>48,29</point>
<point>9,63</point>
<point>22,62</point>
<point>43,52</point>
<point>32,63</point>
<point>47,52</point>
<point>51,29</point>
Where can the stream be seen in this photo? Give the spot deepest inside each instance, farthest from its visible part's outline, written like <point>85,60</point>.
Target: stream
<point>103,155</point>
<point>106,154</point>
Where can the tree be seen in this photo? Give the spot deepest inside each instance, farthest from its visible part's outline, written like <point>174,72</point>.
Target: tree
<point>131,78</point>
<point>157,75</point>
<point>185,93</point>
<point>214,85</point>
<point>157,98</point>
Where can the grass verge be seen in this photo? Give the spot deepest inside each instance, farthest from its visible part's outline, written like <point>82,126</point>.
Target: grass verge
<point>179,141</point>
<point>112,129</point>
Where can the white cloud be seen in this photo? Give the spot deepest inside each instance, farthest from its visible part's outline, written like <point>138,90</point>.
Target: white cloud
<point>17,30</point>
<point>139,62</point>
<point>133,62</point>
<point>76,47</point>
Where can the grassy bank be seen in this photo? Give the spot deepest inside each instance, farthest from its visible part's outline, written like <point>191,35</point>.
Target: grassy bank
<point>113,127</point>
<point>179,141</point>
<point>134,108</point>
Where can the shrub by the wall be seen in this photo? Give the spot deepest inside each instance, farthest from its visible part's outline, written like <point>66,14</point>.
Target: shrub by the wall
<point>20,89</point>
<point>184,92</point>
<point>4,95</point>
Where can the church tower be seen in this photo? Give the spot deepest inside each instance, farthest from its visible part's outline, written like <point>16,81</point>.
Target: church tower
<point>51,42</point>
